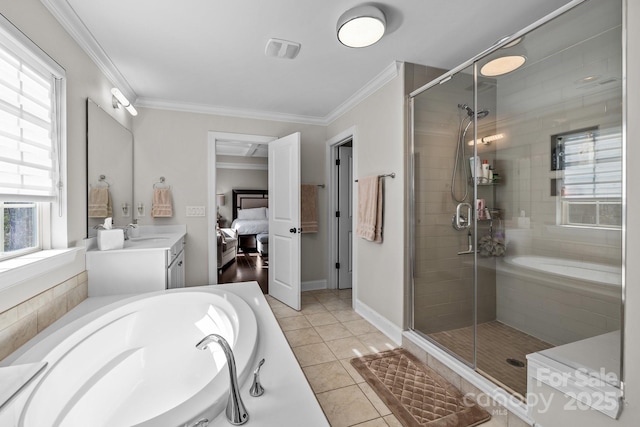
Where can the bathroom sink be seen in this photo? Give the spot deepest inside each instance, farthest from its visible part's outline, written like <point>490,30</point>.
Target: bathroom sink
<point>147,242</point>
<point>148,239</point>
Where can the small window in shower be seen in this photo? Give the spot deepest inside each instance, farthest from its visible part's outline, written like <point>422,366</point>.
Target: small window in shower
<point>591,191</point>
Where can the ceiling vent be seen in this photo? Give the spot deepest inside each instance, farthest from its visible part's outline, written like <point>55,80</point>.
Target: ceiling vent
<point>279,48</point>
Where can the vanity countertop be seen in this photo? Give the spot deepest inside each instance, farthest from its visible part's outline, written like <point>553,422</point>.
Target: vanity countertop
<point>145,237</point>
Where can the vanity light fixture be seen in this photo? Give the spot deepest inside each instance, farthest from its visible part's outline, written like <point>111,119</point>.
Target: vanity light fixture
<point>119,99</point>
<point>361,26</point>
<point>487,139</point>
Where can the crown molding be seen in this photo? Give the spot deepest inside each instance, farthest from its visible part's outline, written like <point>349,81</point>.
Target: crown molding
<point>67,17</point>
<point>389,73</point>
<point>188,107</point>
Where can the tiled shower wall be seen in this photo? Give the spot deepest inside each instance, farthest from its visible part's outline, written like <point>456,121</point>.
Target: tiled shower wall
<point>444,289</point>
<point>22,322</point>
<point>542,100</point>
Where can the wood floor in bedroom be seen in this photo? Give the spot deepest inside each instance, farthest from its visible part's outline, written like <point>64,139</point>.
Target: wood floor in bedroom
<point>247,266</point>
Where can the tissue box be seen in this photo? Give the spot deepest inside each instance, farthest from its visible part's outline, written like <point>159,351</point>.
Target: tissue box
<point>110,239</point>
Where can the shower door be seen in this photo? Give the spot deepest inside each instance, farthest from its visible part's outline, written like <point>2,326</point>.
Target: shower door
<point>444,290</point>
<point>530,258</point>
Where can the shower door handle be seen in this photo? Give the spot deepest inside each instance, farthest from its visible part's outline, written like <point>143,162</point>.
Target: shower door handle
<point>458,221</point>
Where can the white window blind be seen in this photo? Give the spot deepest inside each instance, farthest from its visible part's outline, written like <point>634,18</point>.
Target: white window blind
<point>28,136</point>
<point>593,165</point>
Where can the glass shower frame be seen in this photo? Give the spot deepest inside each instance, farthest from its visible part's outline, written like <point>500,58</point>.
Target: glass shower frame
<point>473,63</point>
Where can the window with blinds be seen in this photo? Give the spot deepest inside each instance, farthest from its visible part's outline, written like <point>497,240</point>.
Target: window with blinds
<point>27,150</point>
<point>30,142</point>
<point>592,179</point>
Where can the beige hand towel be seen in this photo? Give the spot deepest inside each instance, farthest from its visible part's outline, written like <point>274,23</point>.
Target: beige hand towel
<point>369,225</point>
<point>161,203</point>
<point>100,203</point>
<point>309,208</point>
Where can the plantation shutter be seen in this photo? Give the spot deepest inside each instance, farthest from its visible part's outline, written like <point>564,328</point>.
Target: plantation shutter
<point>593,165</point>
<point>28,137</point>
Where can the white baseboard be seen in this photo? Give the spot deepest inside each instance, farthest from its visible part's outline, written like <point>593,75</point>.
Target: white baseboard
<point>313,285</point>
<point>385,326</point>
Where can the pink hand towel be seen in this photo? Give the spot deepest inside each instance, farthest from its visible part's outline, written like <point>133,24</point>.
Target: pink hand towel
<point>161,204</point>
<point>309,208</point>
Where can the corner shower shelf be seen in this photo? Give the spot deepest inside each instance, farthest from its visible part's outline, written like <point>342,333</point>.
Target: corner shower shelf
<point>482,183</point>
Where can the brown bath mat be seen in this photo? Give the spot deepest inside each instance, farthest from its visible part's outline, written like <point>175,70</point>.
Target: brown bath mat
<point>417,395</point>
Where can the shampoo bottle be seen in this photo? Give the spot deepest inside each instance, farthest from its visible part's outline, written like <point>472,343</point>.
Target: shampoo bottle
<point>485,170</point>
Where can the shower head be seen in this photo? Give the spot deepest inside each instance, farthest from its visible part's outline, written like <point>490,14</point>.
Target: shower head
<point>480,114</point>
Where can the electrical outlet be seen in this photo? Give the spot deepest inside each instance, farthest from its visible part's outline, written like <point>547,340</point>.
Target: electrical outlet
<point>195,211</point>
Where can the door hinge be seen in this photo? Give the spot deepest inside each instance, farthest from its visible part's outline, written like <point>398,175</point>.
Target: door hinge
<point>338,265</point>
<point>337,162</point>
<point>337,214</point>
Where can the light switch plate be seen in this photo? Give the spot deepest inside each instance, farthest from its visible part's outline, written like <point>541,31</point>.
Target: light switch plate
<point>195,211</point>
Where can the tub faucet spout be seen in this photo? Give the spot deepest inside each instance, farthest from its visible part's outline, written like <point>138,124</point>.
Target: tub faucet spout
<point>236,412</point>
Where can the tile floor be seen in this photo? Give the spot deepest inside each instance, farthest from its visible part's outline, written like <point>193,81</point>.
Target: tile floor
<point>497,342</point>
<point>324,336</point>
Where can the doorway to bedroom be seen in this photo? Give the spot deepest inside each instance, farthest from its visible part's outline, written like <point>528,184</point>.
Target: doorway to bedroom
<point>242,202</point>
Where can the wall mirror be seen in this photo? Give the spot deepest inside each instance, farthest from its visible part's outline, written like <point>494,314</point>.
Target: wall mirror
<point>109,169</point>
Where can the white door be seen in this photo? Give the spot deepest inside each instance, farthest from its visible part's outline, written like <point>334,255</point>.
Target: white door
<point>345,220</point>
<point>284,220</point>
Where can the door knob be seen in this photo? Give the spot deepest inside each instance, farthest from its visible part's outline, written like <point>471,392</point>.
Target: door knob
<point>292,230</point>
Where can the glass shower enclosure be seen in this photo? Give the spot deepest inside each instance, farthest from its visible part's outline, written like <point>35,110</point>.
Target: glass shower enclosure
<point>517,160</point>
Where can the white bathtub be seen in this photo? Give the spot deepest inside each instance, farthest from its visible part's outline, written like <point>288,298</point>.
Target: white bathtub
<point>134,362</point>
<point>579,270</point>
<point>558,300</point>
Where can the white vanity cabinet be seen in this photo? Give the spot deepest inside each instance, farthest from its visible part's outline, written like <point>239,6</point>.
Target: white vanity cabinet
<point>176,269</point>
<point>146,264</point>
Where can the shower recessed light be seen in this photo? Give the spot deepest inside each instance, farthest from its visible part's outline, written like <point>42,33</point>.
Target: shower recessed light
<point>502,65</point>
<point>587,79</point>
<point>361,26</point>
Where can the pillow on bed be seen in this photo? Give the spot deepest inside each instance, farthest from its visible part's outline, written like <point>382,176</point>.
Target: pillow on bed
<point>254,213</point>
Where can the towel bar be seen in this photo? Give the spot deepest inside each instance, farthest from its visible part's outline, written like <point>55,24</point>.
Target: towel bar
<point>391,175</point>
<point>161,182</point>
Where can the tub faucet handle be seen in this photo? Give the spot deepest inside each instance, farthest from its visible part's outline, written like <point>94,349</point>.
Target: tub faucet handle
<point>256,388</point>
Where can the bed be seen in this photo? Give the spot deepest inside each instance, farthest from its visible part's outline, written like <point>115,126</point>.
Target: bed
<point>250,216</point>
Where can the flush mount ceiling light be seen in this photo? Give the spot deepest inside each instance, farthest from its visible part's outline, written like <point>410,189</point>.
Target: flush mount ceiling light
<point>119,99</point>
<point>361,26</point>
<point>514,57</point>
<point>502,65</point>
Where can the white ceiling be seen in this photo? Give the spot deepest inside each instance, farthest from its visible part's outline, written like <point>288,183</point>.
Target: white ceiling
<point>208,55</point>
<point>241,149</point>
